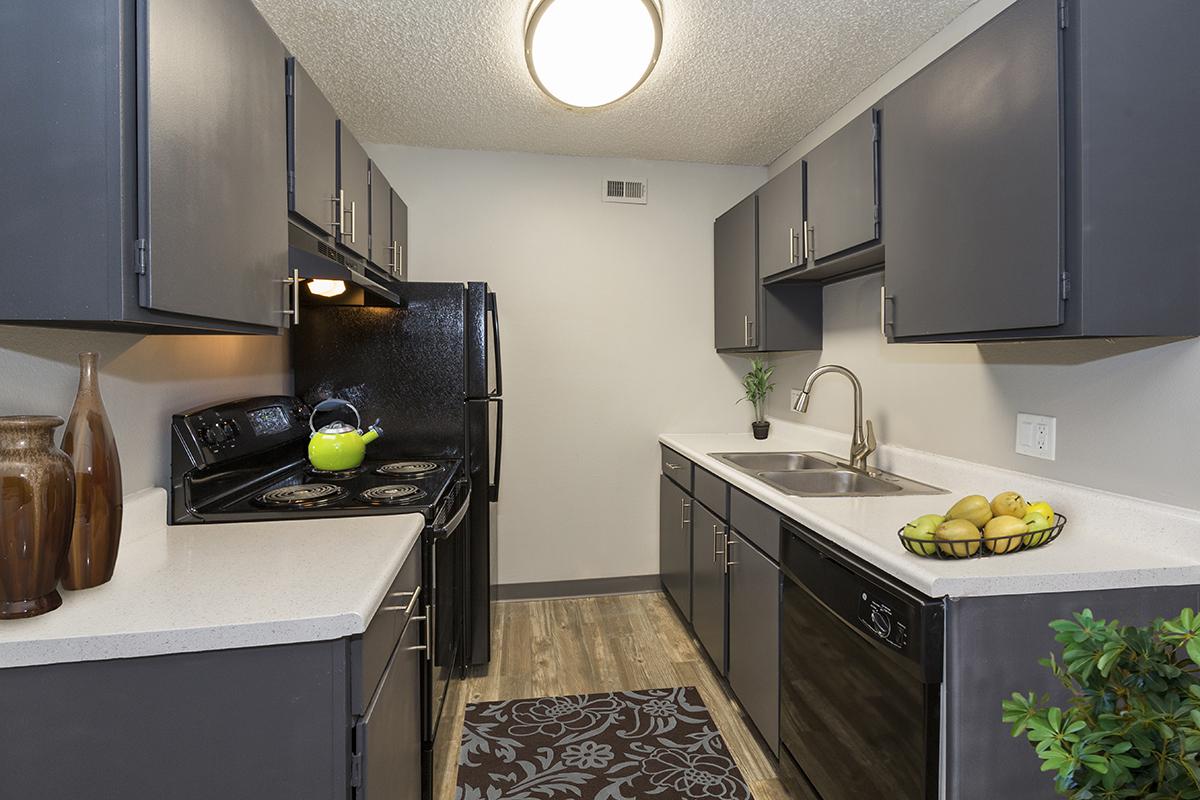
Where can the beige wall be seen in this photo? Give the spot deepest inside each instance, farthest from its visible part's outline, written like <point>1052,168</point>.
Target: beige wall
<point>143,380</point>
<point>606,315</point>
<point>1126,410</point>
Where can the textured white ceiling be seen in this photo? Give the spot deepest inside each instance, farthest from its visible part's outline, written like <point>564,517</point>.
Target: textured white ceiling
<point>739,81</point>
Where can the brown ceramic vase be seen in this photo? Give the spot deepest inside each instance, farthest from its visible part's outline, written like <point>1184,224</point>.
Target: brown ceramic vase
<point>37,504</point>
<point>88,440</point>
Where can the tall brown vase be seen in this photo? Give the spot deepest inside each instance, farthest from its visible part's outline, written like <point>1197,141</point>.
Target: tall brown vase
<point>37,505</point>
<point>89,442</point>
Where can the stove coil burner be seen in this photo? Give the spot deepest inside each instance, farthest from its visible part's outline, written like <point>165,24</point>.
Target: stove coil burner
<point>392,494</point>
<point>409,469</point>
<point>334,475</point>
<point>306,495</point>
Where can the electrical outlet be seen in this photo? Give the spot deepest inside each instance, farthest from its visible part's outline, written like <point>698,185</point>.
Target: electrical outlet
<point>1035,436</point>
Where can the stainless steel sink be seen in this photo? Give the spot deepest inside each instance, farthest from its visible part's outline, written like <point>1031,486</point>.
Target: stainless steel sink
<point>777,462</point>
<point>821,475</point>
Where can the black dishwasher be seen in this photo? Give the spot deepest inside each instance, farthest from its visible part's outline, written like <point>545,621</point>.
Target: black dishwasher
<point>860,682</point>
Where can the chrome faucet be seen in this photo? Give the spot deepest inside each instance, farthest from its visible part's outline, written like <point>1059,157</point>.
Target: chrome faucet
<point>863,443</point>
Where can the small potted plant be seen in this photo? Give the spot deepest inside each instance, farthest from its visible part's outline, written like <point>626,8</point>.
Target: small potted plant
<point>1132,726</point>
<point>758,385</point>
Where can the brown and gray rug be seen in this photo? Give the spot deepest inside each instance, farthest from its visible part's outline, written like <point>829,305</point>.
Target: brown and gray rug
<point>656,743</point>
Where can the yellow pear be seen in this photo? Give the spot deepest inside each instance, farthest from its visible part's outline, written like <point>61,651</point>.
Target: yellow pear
<point>974,509</point>
<point>958,538</point>
<point>1009,504</point>
<point>1003,533</point>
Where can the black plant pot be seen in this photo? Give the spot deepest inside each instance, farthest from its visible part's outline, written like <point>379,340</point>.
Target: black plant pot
<point>761,429</point>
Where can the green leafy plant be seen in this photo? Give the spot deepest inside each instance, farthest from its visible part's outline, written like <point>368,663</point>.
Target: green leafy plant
<point>1132,727</point>
<point>757,384</point>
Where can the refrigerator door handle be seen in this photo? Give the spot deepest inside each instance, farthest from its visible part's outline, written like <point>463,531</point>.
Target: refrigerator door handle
<point>499,390</point>
<point>494,486</point>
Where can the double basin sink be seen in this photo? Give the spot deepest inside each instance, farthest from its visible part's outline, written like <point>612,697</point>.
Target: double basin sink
<point>821,475</point>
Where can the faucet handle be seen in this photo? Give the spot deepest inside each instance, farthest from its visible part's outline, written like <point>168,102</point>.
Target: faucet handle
<point>871,443</point>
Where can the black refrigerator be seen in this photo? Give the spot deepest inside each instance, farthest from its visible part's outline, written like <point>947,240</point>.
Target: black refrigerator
<point>429,369</point>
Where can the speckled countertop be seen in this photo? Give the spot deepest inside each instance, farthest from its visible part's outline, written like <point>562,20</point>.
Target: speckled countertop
<point>1111,541</point>
<point>214,587</point>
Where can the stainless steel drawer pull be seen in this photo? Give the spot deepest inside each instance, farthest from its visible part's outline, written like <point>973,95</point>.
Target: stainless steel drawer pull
<point>336,202</point>
<point>414,595</point>
<point>353,221</point>
<point>807,242</point>
<point>729,542</point>
<point>685,518</point>
<point>294,312</point>
<point>717,551</point>
<point>791,246</point>
<point>669,465</point>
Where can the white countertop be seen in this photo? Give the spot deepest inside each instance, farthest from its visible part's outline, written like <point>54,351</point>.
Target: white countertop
<point>185,588</point>
<point>1111,541</point>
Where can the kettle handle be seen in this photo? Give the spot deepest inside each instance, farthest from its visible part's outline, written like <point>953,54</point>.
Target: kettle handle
<point>333,402</point>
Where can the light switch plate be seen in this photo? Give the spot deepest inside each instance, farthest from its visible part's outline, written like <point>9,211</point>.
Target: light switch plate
<point>1035,436</point>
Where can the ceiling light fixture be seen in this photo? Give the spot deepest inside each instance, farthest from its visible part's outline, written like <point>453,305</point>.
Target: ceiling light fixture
<point>589,53</point>
<point>325,288</point>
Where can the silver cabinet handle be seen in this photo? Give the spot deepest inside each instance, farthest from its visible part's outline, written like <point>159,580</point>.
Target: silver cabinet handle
<point>884,322</point>
<point>747,331</point>
<point>729,542</point>
<point>812,241</point>
<point>791,246</point>
<point>684,519</point>
<point>395,266</point>
<point>807,242</point>
<point>424,647</point>
<point>294,280</point>
<point>717,551</point>
<point>413,596</point>
<point>337,201</point>
<point>669,465</point>
<point>353,221</point>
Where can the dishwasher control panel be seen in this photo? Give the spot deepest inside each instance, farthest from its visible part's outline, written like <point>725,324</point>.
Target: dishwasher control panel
<point>880,619</point>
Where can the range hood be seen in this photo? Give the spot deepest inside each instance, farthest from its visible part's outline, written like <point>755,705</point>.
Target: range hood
<point>317,257</point>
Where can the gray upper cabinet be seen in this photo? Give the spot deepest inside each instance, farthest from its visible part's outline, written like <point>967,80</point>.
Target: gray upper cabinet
<point>1035,186</point>
<point>781,236</point>
<point>675,543</point>
<point>974,183</point>
<point>312,151</point>
<point>735,254</point>
<point>708,583</point>
<point>353,192</point>
<point>399,237</point>
<point>754,599</point>
<point>750,316</point>
<point>381,242</point>
<point>144,162</point>
<point>844,215</point>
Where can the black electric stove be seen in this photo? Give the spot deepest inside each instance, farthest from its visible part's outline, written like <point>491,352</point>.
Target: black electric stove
<point>247,460</point>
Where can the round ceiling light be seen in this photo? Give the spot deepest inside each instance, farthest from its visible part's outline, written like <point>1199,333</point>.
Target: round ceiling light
<point>588,53</point>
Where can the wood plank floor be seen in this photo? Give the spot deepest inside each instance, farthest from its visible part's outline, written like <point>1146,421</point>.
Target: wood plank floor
<point>602,644</point>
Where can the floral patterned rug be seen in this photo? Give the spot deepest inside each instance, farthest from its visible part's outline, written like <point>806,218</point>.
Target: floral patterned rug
<point>657,743</point>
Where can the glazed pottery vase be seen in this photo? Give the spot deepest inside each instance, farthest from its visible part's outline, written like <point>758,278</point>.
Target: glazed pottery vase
<point>37,506</point>
<point>89,442</point>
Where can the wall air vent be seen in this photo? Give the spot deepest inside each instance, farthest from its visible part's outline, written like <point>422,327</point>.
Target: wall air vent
<point>625,190</point>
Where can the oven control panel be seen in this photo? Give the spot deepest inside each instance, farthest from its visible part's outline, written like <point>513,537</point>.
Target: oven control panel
<point>217,433</point>
<point>880,619</point>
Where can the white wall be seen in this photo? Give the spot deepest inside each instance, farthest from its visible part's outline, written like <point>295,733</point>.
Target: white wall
<point>143,380</point>
<point>607,315</point>
<point>1127,410</point>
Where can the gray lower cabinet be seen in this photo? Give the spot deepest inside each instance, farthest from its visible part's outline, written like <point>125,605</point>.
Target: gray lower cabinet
<point>1055,197</point>
<point>708,583</point>
<point>312,151</point>
<point>675,543</point>
<point>754,598</point>
<point>782,240</point>
<point>143,155</point>
<point>354,192</point>
<point>323,720</point>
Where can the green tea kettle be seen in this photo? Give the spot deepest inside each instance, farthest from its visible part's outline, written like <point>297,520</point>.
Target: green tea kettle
<point>338,446</point>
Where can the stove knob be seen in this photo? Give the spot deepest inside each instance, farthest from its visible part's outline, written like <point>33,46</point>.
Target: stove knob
<point>881,623</point>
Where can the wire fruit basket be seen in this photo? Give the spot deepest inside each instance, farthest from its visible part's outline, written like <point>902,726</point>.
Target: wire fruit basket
<point>984,545</point>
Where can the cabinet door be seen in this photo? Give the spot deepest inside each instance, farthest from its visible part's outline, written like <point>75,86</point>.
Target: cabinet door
<point>754,596</point>
<point>972,184</point>
<point>388,737</point>
<point>381,220</point>
<point>708,583</point>
<point>213,161</point>
<point>312,138</point>
<point>843,183</point>
<point>400,236</point>
<point>781,221</point>
<point>675,543</point>
<point>735,264</point>
<point>353,191</point>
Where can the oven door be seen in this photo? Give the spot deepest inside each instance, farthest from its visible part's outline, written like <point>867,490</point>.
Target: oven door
<point>860,707</point>
<point>444,544</point>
